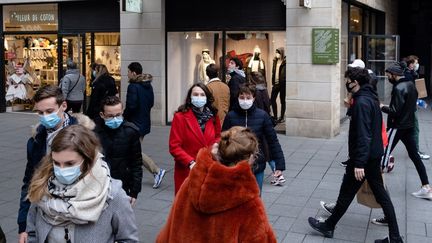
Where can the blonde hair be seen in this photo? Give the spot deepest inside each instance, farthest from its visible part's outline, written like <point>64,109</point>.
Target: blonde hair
<point>237,144</point>
<point>101,70</point>
<point>74,138</point>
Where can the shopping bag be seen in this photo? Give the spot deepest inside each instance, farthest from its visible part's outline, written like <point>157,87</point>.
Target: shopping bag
<point>366,197</point>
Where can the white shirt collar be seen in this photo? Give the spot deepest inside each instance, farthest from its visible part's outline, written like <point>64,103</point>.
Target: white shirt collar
<point>213,79</point>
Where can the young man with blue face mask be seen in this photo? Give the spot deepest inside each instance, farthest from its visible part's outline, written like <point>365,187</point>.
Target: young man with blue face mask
<point>50,105</point>
<point>246,114</point>
<point>121,146</point>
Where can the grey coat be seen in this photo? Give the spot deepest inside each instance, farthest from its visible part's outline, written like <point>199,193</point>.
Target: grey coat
<point>116,223</point>
<point>67,85</point>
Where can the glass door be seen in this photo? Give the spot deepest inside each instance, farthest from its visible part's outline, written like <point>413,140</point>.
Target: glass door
<point>381,51</point>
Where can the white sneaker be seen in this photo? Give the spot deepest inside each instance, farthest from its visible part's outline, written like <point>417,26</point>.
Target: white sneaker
<point>423,193</point>
<point>423,155</point>
<point>158,178</point>
<point>278,181</point>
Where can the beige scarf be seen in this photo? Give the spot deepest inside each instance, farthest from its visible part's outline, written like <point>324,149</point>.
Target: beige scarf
<point>79,203</point>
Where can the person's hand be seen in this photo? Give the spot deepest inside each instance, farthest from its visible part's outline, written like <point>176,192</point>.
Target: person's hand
<point>347,100</point>
<point>359,173</point>
<point>214,151</point>
<point>192,164</point>
<point>132,201</point>
<point>22,237</point>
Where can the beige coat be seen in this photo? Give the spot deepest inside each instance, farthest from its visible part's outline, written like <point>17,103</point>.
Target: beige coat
<point>221,94</point>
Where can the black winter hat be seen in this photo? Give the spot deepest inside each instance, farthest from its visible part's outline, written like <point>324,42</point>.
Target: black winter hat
<point>395,69</point>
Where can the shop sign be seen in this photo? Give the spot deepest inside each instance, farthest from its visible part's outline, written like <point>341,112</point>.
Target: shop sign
<point>33,17</point>
<point>325,45</point>
<point>134,6</point>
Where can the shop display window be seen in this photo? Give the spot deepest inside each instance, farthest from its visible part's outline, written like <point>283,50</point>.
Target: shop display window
<point>188,53</point>
<point>30,17</point>
<point>107,52</point>
<point>30,61</point>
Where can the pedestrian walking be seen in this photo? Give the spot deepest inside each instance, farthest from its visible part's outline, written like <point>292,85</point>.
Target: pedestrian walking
<point>102,86</point>
<point>73,86</point>
<point>139,102</point>
<point>219,90</point>
<point>195,125</point>
<point>401,124</point>
<point>219,201</point>
<point>50,105</point>
<point>121,146</point>
<point>236,77</point>
<point>411,73</point>
<point>365,151</point>
<point>246,114</point>
<point>74,198</point>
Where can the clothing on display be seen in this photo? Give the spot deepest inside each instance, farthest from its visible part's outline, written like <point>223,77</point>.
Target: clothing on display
<point>279,83</point>
<point>255,63</point>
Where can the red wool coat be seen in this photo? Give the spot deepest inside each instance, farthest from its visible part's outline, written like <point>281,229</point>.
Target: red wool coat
<point>217,204</point>
<point>186,139</point>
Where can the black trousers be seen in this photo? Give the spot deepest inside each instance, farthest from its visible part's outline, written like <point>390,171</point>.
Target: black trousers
<point>281,90</point>
<point>407,136</point>
<point>74,105</point>
<point>349,188</point>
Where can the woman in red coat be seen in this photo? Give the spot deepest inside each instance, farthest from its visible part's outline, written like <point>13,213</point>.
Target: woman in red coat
<point>195,125</point>
<point>219,201</point>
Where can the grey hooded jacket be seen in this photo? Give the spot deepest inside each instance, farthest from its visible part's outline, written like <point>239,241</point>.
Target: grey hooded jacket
<point>67,84</point>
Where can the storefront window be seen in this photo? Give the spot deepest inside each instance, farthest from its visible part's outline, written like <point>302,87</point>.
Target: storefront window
<point>30,61</point>
<point>107,52</point>
<point>38,17</point>
<point>356,19</point>
<point>187,61</point>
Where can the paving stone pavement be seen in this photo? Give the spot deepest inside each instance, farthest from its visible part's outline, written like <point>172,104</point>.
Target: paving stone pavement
<point>313,174</point>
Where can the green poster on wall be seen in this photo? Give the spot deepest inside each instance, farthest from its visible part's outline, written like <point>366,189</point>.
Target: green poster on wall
<point>325,46</point>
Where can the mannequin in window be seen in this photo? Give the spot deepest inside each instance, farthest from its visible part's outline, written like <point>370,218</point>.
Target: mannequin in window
<point>205,61</point>
<point>278,84</point>
<point>255,63</point>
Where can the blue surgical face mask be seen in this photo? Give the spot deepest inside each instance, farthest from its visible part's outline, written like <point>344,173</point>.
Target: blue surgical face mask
<point>94,73</point>
<point>51,120</point>
<point>198,101</point>
<point>67,175</point>
<point>114,122</point>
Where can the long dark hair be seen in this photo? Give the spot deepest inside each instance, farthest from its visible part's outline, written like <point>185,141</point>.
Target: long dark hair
<point>188,101</point>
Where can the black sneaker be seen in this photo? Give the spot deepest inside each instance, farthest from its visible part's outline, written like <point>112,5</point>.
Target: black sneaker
<point>344,163</point>
<point>386,240</point>
<point>321,227</point>
<point>380,221</point>
<point>328,207</point>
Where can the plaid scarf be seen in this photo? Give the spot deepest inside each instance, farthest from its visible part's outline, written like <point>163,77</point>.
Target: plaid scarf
<point>202,116</point>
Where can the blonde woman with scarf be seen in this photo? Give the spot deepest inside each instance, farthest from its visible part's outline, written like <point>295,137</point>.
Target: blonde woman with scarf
<point>74,198</point>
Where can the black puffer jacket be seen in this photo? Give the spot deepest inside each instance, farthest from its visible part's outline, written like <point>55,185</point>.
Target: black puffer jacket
<point>402,106</point>
<point>364,140</point>
<point>260,123</point>
<point>122,150</point>
<point>234,85</point>
<point>102,87</point>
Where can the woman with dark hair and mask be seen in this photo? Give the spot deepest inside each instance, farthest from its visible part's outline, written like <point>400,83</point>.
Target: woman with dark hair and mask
<point>195,125</point>
<point>219,201</point>
<point>74,198</point>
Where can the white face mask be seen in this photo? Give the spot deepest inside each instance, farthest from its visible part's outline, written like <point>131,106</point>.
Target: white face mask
<point>246,104</point>
<point>278,55</point>
<point>416,67</point>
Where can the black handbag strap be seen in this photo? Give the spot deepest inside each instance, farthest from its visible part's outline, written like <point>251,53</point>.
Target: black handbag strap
<point>79,76</point>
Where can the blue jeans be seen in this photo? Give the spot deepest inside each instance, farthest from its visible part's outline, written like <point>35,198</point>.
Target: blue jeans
<point>272,164</point>
<point>260,178</point>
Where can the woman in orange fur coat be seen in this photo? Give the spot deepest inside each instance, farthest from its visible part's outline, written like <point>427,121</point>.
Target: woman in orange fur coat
<point>219,201</point>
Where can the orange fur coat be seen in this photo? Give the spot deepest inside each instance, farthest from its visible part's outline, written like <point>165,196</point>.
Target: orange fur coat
<point>217,204</point>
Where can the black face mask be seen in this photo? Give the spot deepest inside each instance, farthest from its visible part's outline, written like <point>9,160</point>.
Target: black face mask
<point>349,88</point>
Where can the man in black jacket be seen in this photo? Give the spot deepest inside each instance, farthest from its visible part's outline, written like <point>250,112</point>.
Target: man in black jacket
<point>365,151</point>
<point>121,146</point>
<point>400,124</point>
